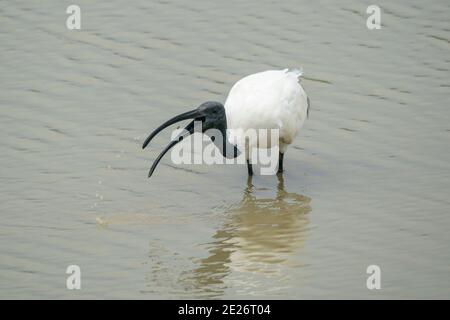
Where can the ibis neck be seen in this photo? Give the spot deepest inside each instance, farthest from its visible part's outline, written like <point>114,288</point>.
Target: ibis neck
<point>227,149</point>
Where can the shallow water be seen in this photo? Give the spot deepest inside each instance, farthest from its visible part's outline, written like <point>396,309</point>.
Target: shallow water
<point>366,182</point>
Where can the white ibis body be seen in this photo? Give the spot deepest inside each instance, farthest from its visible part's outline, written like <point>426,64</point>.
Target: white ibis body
<point>271,99</point>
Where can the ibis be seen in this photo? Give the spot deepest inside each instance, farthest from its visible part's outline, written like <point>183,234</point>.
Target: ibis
<point>272,99</point>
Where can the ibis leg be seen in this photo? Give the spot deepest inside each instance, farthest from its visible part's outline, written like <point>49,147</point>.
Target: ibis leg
<point>280,162</point>
<point>249,168</point>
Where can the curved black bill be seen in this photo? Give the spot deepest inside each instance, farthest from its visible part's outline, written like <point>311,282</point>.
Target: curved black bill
<point>184,116</point>
<point>186,132</point>
<point>155,163</point>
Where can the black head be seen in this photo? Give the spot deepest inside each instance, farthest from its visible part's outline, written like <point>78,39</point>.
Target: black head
<point>211,114</point>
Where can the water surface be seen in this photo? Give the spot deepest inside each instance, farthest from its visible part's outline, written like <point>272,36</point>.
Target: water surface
<point>366,182</point>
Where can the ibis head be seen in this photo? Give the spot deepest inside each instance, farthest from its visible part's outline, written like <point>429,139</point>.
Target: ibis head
<point>212,116</point>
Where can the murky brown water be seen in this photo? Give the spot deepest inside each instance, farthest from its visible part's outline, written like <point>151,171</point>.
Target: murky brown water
<point>367,182</point>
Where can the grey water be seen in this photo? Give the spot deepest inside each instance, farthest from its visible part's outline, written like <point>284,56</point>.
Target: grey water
<point>366,182</point>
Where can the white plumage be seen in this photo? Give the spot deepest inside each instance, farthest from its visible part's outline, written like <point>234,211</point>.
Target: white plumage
<point>271,99</point>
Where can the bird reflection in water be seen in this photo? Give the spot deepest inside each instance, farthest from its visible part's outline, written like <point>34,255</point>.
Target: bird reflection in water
<point>261,238</point>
